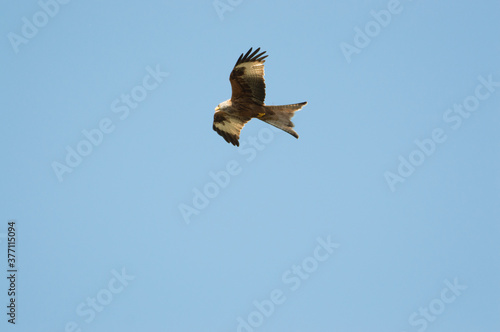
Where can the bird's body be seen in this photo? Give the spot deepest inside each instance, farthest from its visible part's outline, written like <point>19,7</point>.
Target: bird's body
<point>247,101</point>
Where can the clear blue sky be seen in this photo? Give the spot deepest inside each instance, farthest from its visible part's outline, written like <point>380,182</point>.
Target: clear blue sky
<point>134,215</point>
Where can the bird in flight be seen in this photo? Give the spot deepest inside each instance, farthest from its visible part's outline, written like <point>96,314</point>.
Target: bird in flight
<point>247,101</point>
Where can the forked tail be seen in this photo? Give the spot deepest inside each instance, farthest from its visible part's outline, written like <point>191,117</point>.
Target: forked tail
<point>281,117</point>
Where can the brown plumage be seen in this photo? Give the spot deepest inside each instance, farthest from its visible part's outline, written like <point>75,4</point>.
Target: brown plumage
<point>247,101</point>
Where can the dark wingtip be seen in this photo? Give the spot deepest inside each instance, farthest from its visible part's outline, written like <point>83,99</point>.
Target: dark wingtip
<point>226,136</point>
<point>250,50</point>
<point>249,56</point>
<point>239,59</point>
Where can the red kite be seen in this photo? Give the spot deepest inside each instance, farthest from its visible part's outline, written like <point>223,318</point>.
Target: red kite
<point>247,101</point>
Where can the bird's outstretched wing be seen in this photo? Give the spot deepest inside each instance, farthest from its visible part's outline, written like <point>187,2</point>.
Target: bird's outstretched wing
<point>247,77</point>
<point>229,126</point>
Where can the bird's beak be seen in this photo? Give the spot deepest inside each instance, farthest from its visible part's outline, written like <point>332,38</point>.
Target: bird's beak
<point>217,108</point>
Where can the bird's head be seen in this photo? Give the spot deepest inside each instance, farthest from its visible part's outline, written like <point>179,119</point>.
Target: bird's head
<point>224,105</point>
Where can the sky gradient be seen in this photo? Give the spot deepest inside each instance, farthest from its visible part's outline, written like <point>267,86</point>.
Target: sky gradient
<point>132,214</point>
